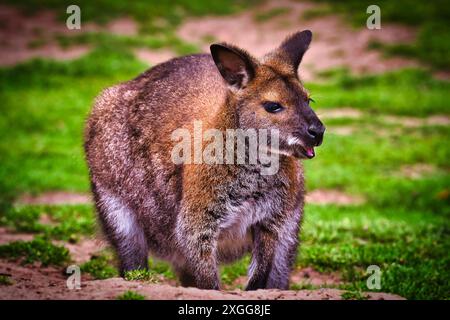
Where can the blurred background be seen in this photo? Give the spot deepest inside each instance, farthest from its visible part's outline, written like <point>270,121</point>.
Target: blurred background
<point>378,190</point>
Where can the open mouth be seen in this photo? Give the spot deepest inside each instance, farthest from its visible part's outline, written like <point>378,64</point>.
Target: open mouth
<point>308,152</point>
<point>304,152</point>
<point>300,150</point>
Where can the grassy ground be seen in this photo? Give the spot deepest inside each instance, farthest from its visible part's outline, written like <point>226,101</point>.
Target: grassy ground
<point>403,227</point>
<point>431,18</point>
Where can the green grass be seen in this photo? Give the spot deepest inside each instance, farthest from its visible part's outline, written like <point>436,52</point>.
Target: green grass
<point>141,275</point>
<point>410,247</point>
<point>130,295</point>
<point>432,19</point>
<point>369,165</point>
<point>353,295</point>
<point>161,267</point>
<point>38,250</point>
<point>68,222</point>
<point>229,273</point>
<point>101,266</point>
<point>404,92</point>
<point>5,280</point>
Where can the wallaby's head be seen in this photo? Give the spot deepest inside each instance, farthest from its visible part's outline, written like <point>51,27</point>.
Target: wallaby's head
<point>268,94</point>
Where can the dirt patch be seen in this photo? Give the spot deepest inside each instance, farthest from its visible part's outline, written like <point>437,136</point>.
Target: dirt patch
<point>23,37</point>
<point>60,197</point>
<point>337,113</point>
<point>417,171</point>
<point>341,130</point>
<point>335,43</point>
<point>125,26</point>
<point>309,276</point>
<point>322,196</point>
<point>153,57</point>
<point>412,122</point>
<point>7,235</point>
<point>80,252</point>
<point>50,283</point>
<point>55,198</point>
<point>83,250</point>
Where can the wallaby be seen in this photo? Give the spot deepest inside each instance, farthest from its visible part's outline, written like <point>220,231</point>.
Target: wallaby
<point>197,216</point>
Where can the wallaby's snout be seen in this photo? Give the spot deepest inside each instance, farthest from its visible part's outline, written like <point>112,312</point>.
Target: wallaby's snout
<point>313,128</point>
<point>309,133</point>
<point>315,132</point>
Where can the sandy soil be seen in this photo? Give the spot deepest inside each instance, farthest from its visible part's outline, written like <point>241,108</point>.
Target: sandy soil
<point>54,198</point>
<point>23,37</point>
<point>50,283</point>
<point>417,171</point>
<point>21,34</point>
<point>322,196</point>
<point>411,122</point>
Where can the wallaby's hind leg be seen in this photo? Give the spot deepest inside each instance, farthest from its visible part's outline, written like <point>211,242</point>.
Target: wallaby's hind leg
<point>122,230</point>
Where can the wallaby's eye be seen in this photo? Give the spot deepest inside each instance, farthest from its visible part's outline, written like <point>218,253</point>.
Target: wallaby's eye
<point>273,107</point>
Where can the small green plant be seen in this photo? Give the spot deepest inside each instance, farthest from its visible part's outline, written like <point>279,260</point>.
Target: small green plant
<point>161,267</point>
<point>303,286</point>
<point>130,295</point>
<point>141,275</point>
<point>37,43</point>
<point>100,266</point>
<point>5,280</point>
<point>38,250</point>
<point>354,295</point>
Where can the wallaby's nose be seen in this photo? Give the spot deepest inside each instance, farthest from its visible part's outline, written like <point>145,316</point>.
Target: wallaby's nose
<point>316,131</point>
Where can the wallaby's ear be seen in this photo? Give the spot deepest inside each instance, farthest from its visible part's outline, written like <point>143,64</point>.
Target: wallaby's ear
<point>294,47</point>
<point>235,65</point>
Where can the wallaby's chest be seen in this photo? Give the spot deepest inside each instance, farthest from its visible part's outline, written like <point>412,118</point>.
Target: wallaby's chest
<point>249,199</point>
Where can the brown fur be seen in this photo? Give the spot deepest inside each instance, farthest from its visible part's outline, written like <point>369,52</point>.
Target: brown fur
<point>196,215</point>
